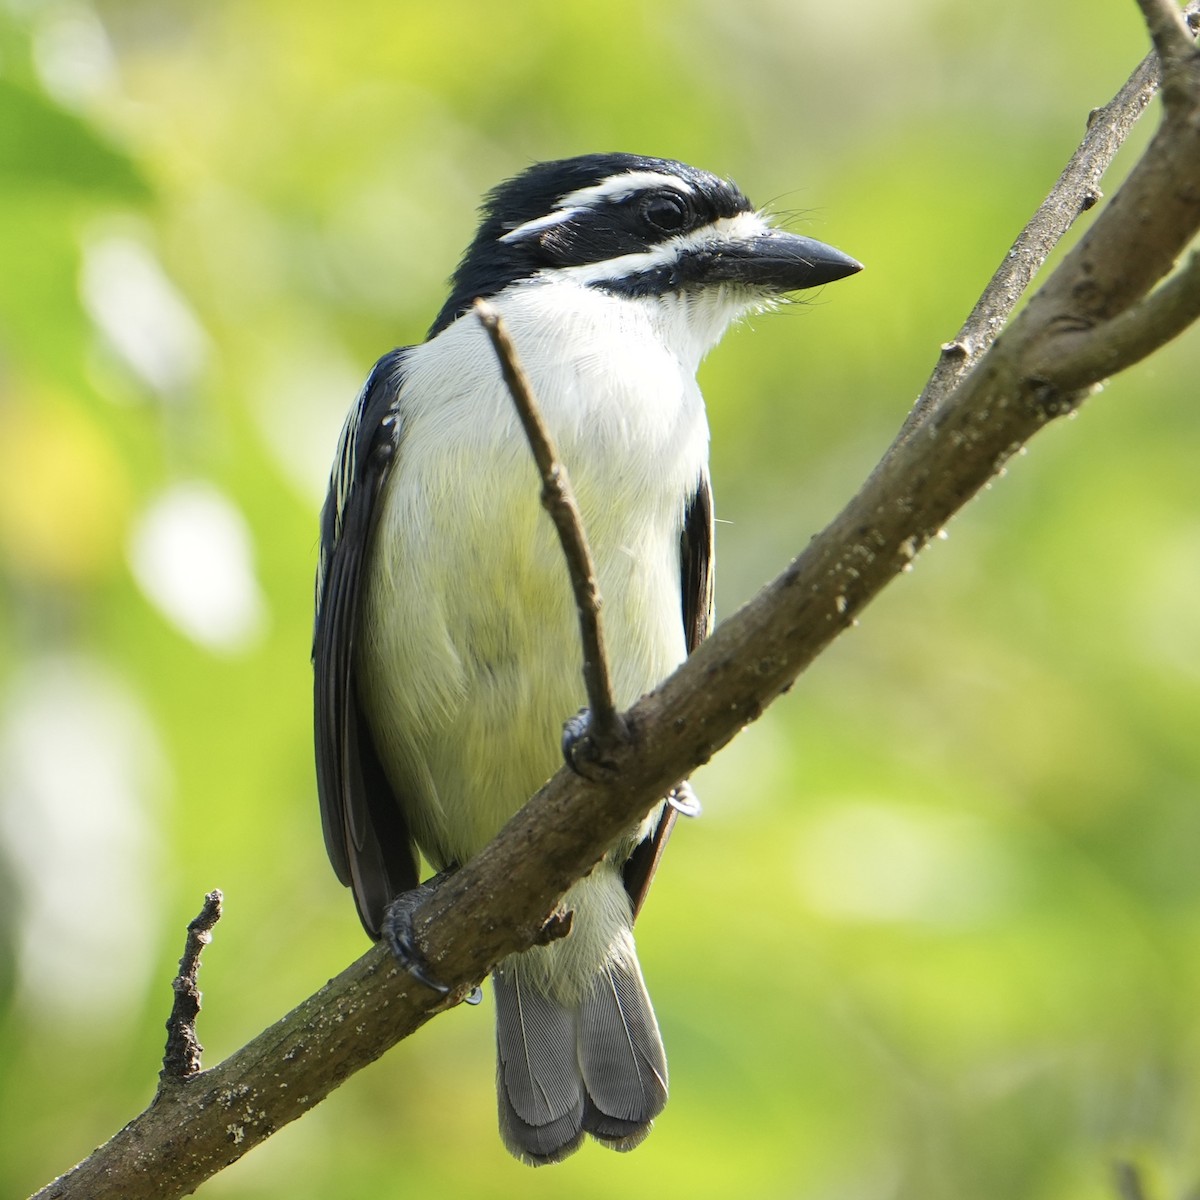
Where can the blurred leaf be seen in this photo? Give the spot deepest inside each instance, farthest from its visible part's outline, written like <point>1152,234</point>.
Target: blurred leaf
<point>42,145</point>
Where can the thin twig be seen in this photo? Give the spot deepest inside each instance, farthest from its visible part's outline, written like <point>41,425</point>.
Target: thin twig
<point>182,1057</point>
<point>559,501</point>
<point>1076,190</point>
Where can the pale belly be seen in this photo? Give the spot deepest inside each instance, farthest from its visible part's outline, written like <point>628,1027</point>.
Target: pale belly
<point>474,662</point>
<point>469,659</point>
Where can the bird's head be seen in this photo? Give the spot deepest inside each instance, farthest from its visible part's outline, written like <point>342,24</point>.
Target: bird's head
<point>639,228</point>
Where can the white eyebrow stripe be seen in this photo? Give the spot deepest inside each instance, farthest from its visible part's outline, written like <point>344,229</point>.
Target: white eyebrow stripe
<point>557,217</point>
<point>618,187</point>
<point>615,187</point>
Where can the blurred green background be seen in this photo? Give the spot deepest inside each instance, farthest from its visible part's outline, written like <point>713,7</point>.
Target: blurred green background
<point>936,935</point>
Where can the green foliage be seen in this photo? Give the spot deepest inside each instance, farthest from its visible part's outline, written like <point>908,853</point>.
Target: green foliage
<point>935,934</point>
<point>43,146</point>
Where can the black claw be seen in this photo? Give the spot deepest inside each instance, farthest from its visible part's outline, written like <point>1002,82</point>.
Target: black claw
<point>399,934</point>
<point>575,741</point>
<point>683,800</point>
<point>588,754</point>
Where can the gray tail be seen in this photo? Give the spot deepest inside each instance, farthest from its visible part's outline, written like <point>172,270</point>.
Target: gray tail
<point>595,1067</point>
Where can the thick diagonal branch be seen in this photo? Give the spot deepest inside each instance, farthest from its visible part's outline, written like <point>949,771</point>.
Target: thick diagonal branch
<point>1168,29</point>
<point>1130,336</point>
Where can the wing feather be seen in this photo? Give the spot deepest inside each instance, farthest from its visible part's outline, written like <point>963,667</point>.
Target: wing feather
<point>696,582</point>
<point>366,834</point>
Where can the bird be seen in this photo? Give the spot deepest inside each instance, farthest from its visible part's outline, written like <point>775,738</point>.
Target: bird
<point>445,651</point>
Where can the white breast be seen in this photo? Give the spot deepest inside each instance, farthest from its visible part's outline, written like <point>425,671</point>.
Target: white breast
<point>471,657</point>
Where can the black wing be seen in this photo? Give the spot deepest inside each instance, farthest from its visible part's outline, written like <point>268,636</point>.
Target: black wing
<point>696,565</point>
<point>696,578</point>
<point>366,834</point>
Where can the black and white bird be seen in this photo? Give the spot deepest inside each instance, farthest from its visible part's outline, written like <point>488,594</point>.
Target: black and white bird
<point>446,651</point>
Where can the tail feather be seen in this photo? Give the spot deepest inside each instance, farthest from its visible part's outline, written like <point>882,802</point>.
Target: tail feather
<point>621,1056</point>
<point>537,1078</point>
<point>566,1069</point>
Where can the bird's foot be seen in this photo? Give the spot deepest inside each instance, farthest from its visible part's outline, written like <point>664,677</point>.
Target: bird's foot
<point>399,932</point>
<point>583,752</point>
<point>575,738</point>
<point>683,800</point>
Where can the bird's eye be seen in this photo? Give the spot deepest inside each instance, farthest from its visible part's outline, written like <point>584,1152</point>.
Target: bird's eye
<point>667,212</point>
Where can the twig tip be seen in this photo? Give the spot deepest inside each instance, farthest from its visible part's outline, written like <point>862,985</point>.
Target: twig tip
<point>182,1056</point>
